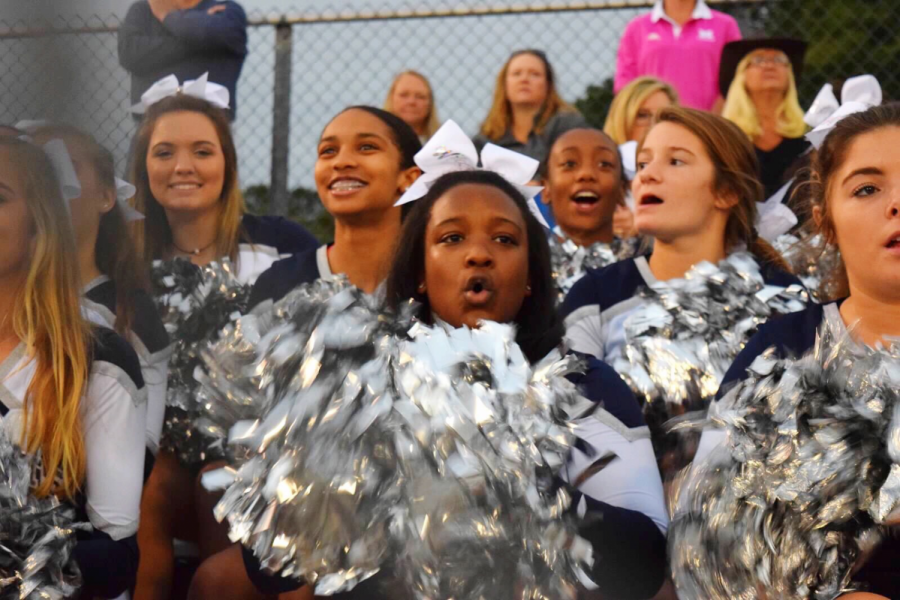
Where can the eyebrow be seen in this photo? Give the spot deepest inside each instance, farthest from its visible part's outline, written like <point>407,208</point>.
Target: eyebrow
<point>7,188</point>
<point>197,143</point>
<point>494,220</point>
<point>862,171</point>
<point>334,138</point>
<point>674,148</point>
<point>505,220</point>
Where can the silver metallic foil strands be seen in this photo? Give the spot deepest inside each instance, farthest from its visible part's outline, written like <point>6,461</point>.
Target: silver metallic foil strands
<point>37,535</point>
<point>813,260</point>
<point>195,303</point>
<point>795,494</point>
<point>680,343</point>
<point>427,456</point>
<point>569,261</point>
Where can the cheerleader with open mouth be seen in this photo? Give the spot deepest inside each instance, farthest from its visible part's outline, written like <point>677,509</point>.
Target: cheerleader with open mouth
<point>800,463</point>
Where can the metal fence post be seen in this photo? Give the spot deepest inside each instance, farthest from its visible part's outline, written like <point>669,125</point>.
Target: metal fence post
<point>281,119</point>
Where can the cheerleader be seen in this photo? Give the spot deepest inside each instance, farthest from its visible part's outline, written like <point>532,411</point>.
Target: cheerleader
<point>856,207</point>
<point>365,163</point>
<point>471,250</point>
<point>184,167</point>
<point>696,194</point>
<point>584,184</point>
<point>72,396</point>
<point>116,286</point>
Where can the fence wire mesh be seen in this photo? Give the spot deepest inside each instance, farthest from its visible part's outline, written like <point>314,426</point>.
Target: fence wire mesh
<point>348,54</point>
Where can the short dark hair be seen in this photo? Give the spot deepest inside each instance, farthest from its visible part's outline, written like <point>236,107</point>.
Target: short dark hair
<point>405,137</point>
<point>539,328</point>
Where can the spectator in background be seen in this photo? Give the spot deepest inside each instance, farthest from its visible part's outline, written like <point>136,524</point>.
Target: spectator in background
<point>412,99</point>
<point>759,81</point>
<point>632,110</point>
<point>528,114</point>
<point>630,116</point>
<point>186,38</point>
<point>680,42</point>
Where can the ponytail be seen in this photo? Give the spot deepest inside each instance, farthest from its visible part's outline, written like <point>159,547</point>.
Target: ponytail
<point>765,253</point>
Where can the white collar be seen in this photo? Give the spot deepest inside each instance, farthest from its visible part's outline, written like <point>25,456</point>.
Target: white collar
<point>701,11</point>
<point>325,273</point>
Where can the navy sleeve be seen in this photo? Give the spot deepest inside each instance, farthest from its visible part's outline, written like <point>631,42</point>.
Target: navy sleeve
<point>629,551</point>
<point>223,30</point>
<point>108,567</point>
<point>791,335</point>
<point>737,372</point>
<point>286,236</point>
<point>602,384</point>
<point>268,286</point>
<point>144,45</point>
<point>775,275</point>
<point>283,276</point>
<point>583,293</point>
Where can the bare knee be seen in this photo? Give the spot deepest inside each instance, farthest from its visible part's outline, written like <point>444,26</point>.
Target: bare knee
<point>223,577</point>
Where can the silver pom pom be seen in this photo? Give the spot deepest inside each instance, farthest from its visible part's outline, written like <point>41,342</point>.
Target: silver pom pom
<point>432,455</point>
<point>569,261</point>
<point>37,535</point>
<point>805,475</point>
<point>680,343</point>
<point>813,260</point>
<point>195,304</point>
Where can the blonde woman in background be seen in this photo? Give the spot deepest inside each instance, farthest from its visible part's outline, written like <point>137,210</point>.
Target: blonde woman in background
<point>759,81</point>
<point>412,99</point>
<point>632,110</point>
<point>630,116</point>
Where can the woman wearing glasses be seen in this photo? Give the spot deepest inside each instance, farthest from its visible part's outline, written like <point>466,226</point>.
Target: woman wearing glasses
<point>759,81</point>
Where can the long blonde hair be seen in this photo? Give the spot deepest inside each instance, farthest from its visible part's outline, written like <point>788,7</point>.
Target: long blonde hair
<point>432,122</point>
<point>740,110</point>
<point>153,235</point>
<point>46,316</point>
<point>499,119</point>
<point>625,106</point>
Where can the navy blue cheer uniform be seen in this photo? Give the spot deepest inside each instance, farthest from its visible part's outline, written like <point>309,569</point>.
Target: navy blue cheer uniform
<point>599,304</point>
<point>792,336</point>
<point>149,339</point>
<point>265,241</point>
<point>286,274</point>
<point>112,418</point>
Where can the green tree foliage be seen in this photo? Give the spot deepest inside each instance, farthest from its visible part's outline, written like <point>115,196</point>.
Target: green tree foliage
<point>304,208</point>
<point>845,37</point>
<point>595,103</point>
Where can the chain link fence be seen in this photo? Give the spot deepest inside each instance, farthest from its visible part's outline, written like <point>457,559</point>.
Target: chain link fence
<point>343,55</point>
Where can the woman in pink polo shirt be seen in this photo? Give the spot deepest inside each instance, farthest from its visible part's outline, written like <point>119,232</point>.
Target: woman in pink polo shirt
<point>680,42</point>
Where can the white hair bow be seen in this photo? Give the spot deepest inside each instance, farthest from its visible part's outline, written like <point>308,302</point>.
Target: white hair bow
<point>773,218</point>
<point>450,150</point>
<point>124,192</point>
<point>202,88</point>
<point>858,94</point>
<point>69,185</point>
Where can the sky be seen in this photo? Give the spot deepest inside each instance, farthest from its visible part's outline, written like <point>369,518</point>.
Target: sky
<point>334,65</point>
